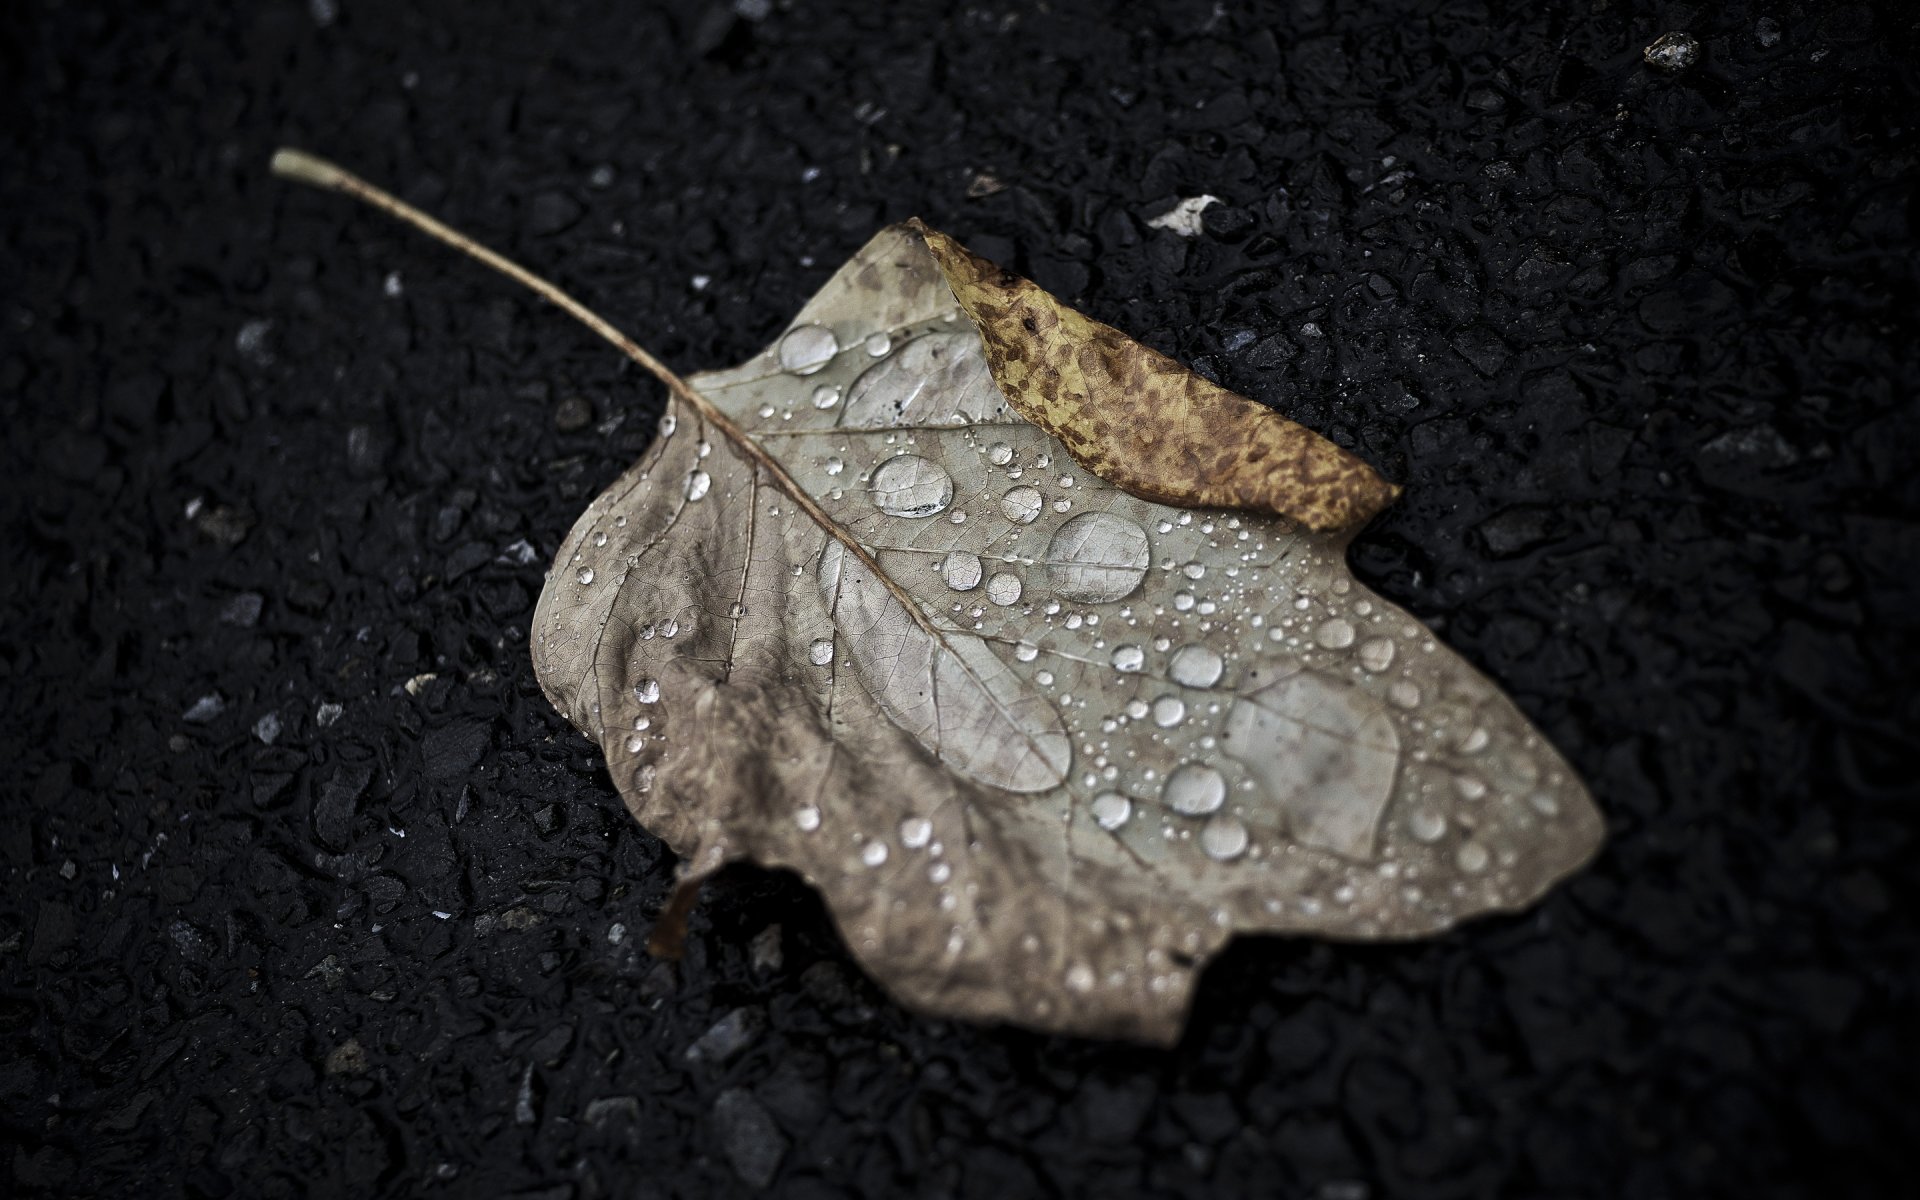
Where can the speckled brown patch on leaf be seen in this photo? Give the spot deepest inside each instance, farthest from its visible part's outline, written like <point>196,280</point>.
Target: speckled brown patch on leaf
<point>1140,420</point>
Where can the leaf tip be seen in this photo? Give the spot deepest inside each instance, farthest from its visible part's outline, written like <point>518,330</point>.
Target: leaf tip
<point>302,167</point>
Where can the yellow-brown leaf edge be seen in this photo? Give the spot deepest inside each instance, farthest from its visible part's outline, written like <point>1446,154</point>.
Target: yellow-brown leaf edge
<point>1142,421</point>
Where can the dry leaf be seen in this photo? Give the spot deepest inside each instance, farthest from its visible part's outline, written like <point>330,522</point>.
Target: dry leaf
<point>1042,744</point>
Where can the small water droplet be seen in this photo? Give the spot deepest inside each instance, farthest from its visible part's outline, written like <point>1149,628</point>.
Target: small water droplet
<point>586,575</point>
<point>961,570</point>
<point>1043,678</point>
<point>647,691</point>
<point>1472,857</point>
<point>1545,803</point>
<point>874,853</point>
<point>1426,825</point>
<point>1111,810</point>
<point>1224,838</point>
<point>1026,651</point>
<point>635,743</point>
<point>1194,570</point>
<point>1021,504</point>
<point>699,483</point>
<point>807,348</point>
<point>1169,711</point>
<point>1138,710</point>
<point>1196,666</point>
<point>1376,654</point>
<point>826,396</point>
<point>879,344</point>
<point>911,486</point>
<point>1129,658</point>
<point>820,653</point>
<point>1004,588</point>
<point>835,466</point>
<point>668,423</point>
<point>1475,741</point>
<point>808,819</point>
<point>1404,694</point>
<point>1080,978</point>
<point>1469,787</point>
<point>999,454</point>
<point>1335,633</point>
<point>1194,790</point>
<point>940,872</point>
<point>1183,601</point>
<point>915,832</point>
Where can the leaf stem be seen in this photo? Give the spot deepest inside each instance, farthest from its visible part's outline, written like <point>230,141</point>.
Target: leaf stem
<point>317,172</point>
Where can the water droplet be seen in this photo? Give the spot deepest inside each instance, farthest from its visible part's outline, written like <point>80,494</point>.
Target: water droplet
<point>668,423</point>
<point>1545,803</point>
<point>878,344</point>
<point>961,569</point>
<point>1169,711</point>
<point>1004,588</point>
<point>808,819</point>
<point>874,853</point>
<point>940,872</point>
<point>1224,838</point>
<point>1469,787</point>
<point>820,653</point>
<point>1194,790</point>
<point>1111,810</point>
<point>1475,741</point>
<point>835,466</point>
<point>1095,558</point>
<point>1426,825</point>
<point>585,576</point>
<point>999,454</point>
<point>699,483</point>
<point>1138,710</point>
<point>1194,570</point>
<point>1043,678</point>
<point>1129,658</point>
<point>1026,651</point>
<point>807,348</point>
<point>1021,504</point>
<point>1472,857</point>
<point>1376,654</point>
<point>915,832</point>
<point>1183,601</point>
<point>1404,694</point>
<point>911,486</point>
<point>1196,666</point>
<point>1335,633</point>
<point>1080,978</point>
<point>647,691</point>
<point>635,743</point>
<point>826,396</point>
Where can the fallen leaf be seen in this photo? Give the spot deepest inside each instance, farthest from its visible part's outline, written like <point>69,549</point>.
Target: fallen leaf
<point>1044,745</point>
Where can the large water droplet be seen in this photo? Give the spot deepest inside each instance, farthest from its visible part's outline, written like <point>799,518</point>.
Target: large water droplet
<point>1196,666</point>
<point>1426,825</point>
<point>1335,633</point>
<point>1376,654</point>
<point>820,653</point>
<point>915,832</point>
<point>1129,658</point>
<point>999,454</point>
<point>1194,790</point>
<point>1111,810</point>
<point>647,691</point>
<point>1021,504</point>
<point>1224,838</point>
<point>1169,711</point>
<point>911,486</point>
<point>961,569</point>
<point>807,348</point>
<point>1095,558</point>
<point>1004,588</point>
<point>699,483</point>
<point>935,379</point>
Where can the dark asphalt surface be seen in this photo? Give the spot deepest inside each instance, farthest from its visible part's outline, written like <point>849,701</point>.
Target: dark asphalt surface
<point>1641,345</point>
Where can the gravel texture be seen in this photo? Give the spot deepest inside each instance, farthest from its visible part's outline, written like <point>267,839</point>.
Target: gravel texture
<point>307,891</point>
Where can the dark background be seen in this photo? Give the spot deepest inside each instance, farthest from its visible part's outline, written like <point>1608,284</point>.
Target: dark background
<point>1642,348</point>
